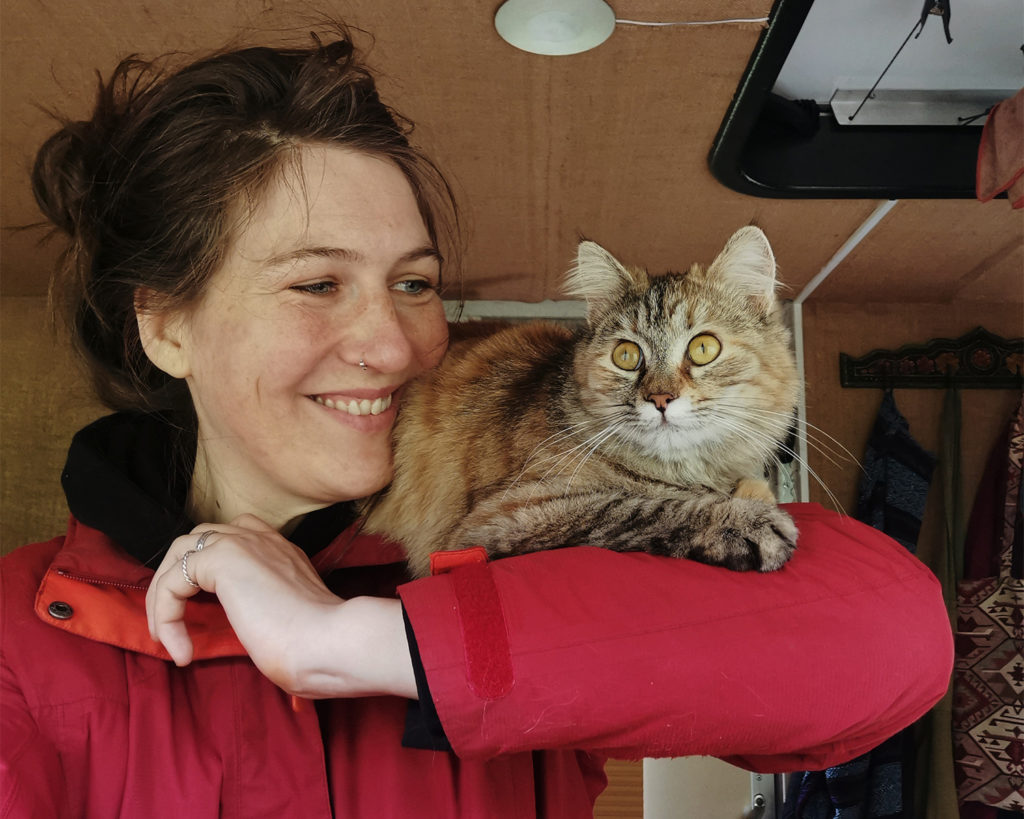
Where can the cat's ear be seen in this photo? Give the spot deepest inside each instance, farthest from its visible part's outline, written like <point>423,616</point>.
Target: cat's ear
<point>599,278</point>
<point>747,263</point>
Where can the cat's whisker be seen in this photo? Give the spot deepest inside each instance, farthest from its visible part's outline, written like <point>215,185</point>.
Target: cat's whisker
<point>571,454</point>
<point>810,471</point>
<point>820,433</point>
<point>833,500</point>
<point>744,428</point>
<point>561,435</point>
<point>585,450</point>
<point>567,432</point>
<point>609,432</point>
<point>766,443</point>
<point>826,452</point>
<point>593,442</point>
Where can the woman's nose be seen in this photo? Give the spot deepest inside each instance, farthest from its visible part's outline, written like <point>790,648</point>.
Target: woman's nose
<point>378,337</point>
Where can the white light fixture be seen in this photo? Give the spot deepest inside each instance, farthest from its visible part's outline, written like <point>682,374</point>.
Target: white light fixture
<point>555,26</point>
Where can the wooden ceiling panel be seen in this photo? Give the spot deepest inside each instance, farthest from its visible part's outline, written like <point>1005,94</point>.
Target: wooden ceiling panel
<point>933,251</point>
<point>611,144</point>
<point>997,278</point>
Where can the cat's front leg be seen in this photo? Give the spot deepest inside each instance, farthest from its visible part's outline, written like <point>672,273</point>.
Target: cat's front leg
<point>755,489</point>
<point>741,533</point>
<point>697,523</point>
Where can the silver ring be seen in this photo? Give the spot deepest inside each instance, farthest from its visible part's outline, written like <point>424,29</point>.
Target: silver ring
<point>201,543</point>
<point>184,569</point>
<point>362,364</point>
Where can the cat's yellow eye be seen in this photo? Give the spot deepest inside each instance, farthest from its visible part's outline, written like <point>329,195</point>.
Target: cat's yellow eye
<point>704,349</point>
<point>627,356</point>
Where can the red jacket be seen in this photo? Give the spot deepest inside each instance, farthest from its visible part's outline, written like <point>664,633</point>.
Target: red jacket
<point>538,666</point>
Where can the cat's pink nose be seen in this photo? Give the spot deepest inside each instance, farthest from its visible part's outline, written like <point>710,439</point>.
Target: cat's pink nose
<point>661,400</point>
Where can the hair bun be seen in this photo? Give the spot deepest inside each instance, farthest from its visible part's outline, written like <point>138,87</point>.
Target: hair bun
<point>60,177</point>
<point>340,52</point>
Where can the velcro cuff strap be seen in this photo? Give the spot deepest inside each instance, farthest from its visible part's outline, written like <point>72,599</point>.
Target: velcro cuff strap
<point>488,656</point>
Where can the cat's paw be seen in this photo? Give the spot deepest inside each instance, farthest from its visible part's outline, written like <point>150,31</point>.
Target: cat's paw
<point>754,489</point>
<point>746,535</point>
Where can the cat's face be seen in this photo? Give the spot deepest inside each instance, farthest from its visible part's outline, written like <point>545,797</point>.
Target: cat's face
<point>681,364</point>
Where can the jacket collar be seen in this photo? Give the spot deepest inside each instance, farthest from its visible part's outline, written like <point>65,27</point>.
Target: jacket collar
<point>97,591</point>
<point>127,507</point>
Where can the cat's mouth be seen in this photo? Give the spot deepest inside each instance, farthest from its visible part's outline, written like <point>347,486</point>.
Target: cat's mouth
<point>354,406</point>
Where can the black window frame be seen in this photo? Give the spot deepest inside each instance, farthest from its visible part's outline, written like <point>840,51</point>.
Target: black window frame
<point>754,154</point>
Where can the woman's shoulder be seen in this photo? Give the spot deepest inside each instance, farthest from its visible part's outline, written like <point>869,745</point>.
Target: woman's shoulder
<point>28,562</point>
<point>21,572</point>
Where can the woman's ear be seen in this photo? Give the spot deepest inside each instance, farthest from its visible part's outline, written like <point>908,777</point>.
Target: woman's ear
<point>161,332</point>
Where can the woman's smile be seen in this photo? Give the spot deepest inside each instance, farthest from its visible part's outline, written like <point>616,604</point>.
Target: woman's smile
<point>356,406</point>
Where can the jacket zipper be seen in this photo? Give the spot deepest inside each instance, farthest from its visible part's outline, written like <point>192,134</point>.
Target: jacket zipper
<point>99,581</point>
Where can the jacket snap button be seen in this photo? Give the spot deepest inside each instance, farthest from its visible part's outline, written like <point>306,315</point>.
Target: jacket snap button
<point>60,610</point>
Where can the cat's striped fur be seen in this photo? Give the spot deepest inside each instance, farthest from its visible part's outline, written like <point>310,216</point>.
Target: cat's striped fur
<point>535,437</point>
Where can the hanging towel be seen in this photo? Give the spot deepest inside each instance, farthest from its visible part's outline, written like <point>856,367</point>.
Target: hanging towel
<point>1001,152</point>
<point>893,490</point>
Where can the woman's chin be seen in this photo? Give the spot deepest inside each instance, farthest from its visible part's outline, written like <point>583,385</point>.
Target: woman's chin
<point>372,479</point>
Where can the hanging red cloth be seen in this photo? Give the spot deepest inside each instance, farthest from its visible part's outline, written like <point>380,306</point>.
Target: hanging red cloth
<point>989,674</point>
<point>1001,152</point>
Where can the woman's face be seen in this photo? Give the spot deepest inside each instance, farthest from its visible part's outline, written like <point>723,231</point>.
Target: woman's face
<point>335,267</point>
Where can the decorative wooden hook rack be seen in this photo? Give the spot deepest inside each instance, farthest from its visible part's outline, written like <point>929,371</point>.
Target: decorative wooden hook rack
<point>976,360</point>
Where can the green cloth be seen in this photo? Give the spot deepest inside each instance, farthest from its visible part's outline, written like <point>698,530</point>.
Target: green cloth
<point>935,788</point>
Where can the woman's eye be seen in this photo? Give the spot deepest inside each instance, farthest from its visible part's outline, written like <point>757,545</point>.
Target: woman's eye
<point>627,356</point>
<point>704,349</point>
<point>414,287</point>
<point>316,288</point>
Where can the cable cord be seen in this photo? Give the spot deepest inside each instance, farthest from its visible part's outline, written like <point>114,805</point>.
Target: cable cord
<point>692,22</point>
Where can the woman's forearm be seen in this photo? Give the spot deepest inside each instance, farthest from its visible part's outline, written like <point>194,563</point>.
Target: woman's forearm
<point>360,649</point>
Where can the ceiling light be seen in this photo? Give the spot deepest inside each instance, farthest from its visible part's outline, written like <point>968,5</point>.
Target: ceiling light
<point>555,26</point>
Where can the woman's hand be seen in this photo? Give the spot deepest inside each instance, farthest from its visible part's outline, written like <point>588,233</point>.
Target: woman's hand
<point>300,635</point>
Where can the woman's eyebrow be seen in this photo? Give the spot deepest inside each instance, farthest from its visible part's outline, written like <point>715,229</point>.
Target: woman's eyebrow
<point>302,253</point>
<point>345,254</point>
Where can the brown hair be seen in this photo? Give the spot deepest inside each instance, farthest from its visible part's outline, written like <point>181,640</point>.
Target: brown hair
<point>148,188</point>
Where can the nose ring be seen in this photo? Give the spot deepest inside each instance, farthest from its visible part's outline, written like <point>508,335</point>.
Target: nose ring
<point>362,364</point>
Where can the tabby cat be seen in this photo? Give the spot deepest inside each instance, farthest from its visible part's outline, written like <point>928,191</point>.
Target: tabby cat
<point>648,429</point>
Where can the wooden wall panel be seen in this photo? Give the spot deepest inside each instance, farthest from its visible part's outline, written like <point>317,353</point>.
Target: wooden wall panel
<point>848,414</point>
<point>45,401</point>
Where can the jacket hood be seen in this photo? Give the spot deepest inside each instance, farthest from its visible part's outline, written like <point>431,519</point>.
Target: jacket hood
<point>127,476</point>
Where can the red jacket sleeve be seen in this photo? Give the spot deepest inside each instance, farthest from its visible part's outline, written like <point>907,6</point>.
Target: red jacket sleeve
<point>31,775</point>
<point>631,655</point>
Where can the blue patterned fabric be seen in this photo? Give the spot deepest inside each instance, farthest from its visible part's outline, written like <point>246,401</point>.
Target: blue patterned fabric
<point>897,474</point>
<point>867,787</point>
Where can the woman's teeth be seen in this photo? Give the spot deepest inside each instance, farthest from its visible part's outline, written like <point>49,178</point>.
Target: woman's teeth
<point>353,407</point>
